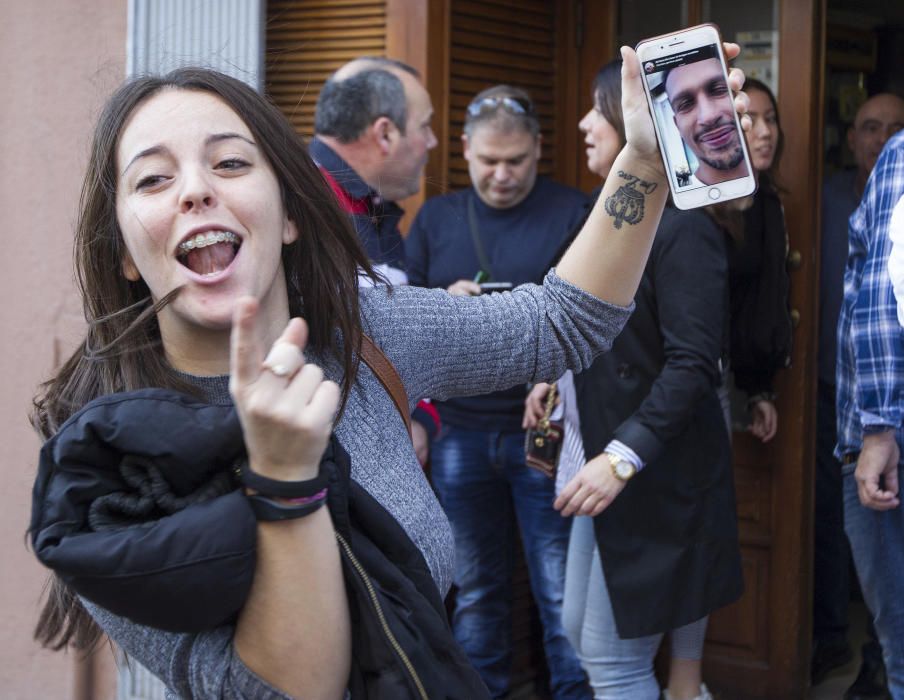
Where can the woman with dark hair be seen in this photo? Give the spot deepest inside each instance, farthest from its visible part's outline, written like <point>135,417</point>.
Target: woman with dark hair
<point>653,546</point>
<point>758,276</point>
<point>205,234</point>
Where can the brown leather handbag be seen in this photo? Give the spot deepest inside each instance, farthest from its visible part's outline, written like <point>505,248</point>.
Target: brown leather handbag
<point>543,444</point>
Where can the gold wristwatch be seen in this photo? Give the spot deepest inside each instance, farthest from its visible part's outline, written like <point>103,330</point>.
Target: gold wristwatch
<point>622,469</point>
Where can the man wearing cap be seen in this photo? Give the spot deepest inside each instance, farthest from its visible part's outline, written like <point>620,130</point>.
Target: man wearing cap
<point>506,229</point>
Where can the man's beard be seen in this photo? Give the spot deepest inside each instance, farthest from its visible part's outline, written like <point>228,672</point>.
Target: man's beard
<point>727,161</point>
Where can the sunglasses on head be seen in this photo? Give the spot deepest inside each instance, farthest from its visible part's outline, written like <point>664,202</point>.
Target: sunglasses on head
<point>515,105</point>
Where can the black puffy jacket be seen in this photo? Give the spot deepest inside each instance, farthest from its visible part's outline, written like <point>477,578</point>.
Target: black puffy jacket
<point>136,509</point>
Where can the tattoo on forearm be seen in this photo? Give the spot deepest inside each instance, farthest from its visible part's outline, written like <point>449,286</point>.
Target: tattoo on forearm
<point>627,202</point>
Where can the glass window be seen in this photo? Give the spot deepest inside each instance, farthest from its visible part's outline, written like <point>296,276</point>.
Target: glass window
<point>640,19</point>
<point>753,25</point>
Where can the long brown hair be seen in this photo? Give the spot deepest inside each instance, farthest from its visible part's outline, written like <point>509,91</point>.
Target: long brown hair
<point>606,92</point>
<point>122,349</point>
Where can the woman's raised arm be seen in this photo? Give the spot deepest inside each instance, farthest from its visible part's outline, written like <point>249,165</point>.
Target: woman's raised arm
<point>608,256</point>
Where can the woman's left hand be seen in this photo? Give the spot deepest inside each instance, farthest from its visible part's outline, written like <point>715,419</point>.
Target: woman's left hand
<point>765,420</point>
<point>535,405</point>
<point>591,490</point>
<point>286,412</point>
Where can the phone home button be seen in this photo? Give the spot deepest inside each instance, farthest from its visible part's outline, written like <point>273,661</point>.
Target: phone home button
<point>714,193</point>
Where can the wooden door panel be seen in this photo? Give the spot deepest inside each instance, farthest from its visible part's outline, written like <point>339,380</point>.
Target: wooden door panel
<point>486,47</point>
<point>759,647</point>
<point>307,40</point>
<point>740,630</point>
<point>754,505</point>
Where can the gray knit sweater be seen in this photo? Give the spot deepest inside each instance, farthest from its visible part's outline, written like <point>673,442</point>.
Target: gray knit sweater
<point>442,346</point>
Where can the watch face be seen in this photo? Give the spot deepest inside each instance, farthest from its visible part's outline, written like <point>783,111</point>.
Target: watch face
<point>624,470</point>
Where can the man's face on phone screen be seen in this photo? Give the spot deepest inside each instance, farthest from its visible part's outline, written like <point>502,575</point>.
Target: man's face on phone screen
<point>704,115</point>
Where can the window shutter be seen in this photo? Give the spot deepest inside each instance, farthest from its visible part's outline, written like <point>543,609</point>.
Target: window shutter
<point>226,35</point>
<point>501,41</point>
<point>309,39</point>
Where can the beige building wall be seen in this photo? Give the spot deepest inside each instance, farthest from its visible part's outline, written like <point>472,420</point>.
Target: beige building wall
<point>58,61</point>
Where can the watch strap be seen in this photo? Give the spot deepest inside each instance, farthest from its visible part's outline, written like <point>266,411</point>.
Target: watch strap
<point>282,489</point>
<point>268,510</point>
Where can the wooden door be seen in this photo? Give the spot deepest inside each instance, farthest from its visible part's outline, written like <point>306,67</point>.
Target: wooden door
<point>760,646</point>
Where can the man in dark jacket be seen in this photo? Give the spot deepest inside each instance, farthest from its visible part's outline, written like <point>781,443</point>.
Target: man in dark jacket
<point>372,137</point>
<point>507,228</point>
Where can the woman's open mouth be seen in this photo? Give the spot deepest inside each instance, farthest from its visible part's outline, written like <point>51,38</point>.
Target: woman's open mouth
<point>209,253</point>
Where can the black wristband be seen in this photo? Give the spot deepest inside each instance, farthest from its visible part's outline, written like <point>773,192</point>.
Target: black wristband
<point>267,510</point>
<point>282,489</point>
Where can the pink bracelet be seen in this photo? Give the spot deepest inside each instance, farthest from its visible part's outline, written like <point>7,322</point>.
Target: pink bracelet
<point>304,500</point>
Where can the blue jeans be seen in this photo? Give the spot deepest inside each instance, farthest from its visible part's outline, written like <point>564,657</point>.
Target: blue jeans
<point>877,543</point>
<point>484,486</point>
<point>619,669</point>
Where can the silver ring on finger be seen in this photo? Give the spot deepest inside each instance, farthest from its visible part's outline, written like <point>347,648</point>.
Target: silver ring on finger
<point>284,359</point>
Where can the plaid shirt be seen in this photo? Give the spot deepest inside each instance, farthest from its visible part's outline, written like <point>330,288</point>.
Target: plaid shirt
<point>870,372</point>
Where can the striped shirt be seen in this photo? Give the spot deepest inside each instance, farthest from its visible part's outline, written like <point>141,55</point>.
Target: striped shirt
<point>572,457</point>
<point>870,372</point>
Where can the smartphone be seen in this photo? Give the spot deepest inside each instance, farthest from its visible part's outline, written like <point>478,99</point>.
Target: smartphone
<point>685,78</point>
<point>487,287</point>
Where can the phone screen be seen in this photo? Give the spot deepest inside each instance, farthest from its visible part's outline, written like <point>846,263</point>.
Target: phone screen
<point>701,141</point>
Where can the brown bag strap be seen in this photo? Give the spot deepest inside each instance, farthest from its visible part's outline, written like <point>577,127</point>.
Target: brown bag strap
<point>388,375</point>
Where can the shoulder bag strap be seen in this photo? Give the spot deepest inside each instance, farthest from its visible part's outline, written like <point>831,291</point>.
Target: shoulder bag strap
<point>388,375</point>
<point>475,236</point>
